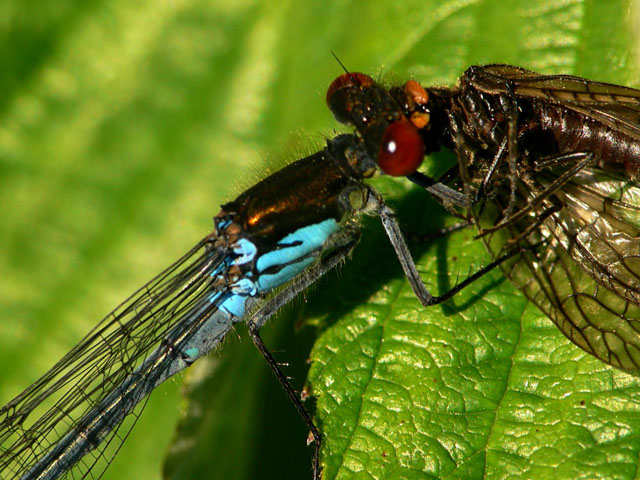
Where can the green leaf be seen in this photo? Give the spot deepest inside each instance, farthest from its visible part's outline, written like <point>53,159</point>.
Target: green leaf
<point>124,126</point>
<point>484,386</point>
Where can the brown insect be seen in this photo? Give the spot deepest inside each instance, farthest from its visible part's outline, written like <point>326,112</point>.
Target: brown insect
<point>548,169</point>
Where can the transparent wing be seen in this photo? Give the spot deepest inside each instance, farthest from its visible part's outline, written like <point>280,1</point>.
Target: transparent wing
<point>581,261</point>
<point>112,369</point>
<point>613,105</point>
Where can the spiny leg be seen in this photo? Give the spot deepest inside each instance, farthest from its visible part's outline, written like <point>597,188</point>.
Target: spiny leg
<point>392,228</point>
<point>446,196</point>
<point>260,317</point>
<point>548,191</point>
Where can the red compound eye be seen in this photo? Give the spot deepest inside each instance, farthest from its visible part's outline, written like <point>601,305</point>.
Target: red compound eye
<point>401,151</point>
<point>347,80</point>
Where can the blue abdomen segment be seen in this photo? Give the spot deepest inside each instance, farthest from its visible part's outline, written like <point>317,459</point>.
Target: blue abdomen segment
<point>246,251</point>
<point>291,255</point>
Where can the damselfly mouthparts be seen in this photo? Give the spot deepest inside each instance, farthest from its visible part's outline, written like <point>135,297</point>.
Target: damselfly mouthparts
<point>548,167</point>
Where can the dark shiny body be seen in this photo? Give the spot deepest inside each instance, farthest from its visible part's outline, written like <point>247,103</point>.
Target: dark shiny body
<point>305,192</point>
<point>555,114</point>
<point>549,167</point>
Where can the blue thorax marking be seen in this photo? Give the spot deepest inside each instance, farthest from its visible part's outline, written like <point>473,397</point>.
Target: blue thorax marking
<point>293,254</point>
<point>268,282</point>
<point>294,258</point>
<point>223,224</point>
<point>303,241</point>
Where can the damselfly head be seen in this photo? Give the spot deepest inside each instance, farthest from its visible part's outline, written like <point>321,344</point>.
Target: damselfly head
<point>345,81</point>
<point>389,126</point>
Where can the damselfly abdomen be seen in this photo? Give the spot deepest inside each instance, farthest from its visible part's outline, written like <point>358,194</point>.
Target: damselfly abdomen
<point>286,231</point>
<point>548,165</point>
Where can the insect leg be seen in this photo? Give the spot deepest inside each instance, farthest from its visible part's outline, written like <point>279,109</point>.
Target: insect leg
<point>446,196</point>
<point>511,109</point>
<point>259,318</point>
<point>548,191</point>
<point>392,228</point>
<point>387,216</point>
<point>465,149</point>
<point>553,161</point>
<point>493,168</point>
<point>475,276</point>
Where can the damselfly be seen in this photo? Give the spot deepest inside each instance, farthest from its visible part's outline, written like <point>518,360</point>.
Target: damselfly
<point>548,167</point>
<point>535,168</point>
<point>289,229</point>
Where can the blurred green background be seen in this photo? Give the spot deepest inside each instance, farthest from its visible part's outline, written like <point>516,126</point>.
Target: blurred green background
<point>124,126</point>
